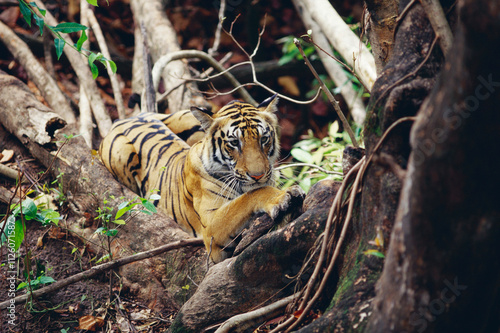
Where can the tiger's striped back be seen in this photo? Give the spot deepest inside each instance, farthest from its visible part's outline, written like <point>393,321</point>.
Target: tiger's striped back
<point>213,187</point>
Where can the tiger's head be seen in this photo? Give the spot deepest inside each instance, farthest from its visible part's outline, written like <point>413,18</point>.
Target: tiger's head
<point>241,143</point>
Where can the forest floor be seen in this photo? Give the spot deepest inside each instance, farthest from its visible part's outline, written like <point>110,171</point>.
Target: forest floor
<point>56,252</point>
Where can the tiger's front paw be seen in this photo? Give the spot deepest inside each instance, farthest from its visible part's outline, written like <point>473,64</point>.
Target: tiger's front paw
<point>290,203</point>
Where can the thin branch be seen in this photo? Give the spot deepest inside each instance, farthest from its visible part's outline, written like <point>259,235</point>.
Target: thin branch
<point>309,39</point>
<point>436,16</point>
<point>189,54</point>
<point>332,99</point>
<point>215,47</point>
<point>284,166</point>
<point>113,78</point>
<point>102,268</point>
<point>245,320</point>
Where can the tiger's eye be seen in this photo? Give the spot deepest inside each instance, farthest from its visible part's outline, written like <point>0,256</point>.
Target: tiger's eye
<point>264,140</point>
<point>233,143</point>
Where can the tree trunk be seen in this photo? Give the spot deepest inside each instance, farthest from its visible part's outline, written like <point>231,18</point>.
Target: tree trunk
<point>442,270</point>
<point>395,94</point>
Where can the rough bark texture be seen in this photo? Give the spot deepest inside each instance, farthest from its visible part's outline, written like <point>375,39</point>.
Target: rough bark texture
<point>392,98</point>
<point>261,272</point>
<point>442,269</point>
<point>381,25</point>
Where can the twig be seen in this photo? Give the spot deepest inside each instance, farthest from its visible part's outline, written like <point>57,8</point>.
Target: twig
<point>189,54</point>
<point>309,39</point>
<point>332,99</point>
<point>215,47</point>
<point>8,172</point>
<point>115,85</point>
<point>436,16</point>
<point>389,161</point>
<point>360,165</point>
<point>284,166</point>
<point>86,123</point>
<point>402,16</point>
<point>342,38</point>
<point>102,268</point>
<point>245,320</point>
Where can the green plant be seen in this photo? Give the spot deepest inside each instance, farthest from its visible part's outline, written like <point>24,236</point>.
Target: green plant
<point>290,52</point>
<point>105,215</point>
<point>28,210</point>
<point>318,159</point>
<point>28,11</point>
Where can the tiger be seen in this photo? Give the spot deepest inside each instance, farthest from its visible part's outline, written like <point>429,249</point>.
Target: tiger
<point>212,187</point>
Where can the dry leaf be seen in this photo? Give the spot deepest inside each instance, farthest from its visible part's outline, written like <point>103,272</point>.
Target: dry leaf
<point>7,155</point>
<point>39,242</point>
<point>89,323</point>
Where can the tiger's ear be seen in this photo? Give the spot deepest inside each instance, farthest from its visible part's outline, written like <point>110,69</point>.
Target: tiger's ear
<point>203,115</point>
<point>269,104</point>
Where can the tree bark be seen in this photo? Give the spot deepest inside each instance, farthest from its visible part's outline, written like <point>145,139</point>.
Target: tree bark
<point>442,269</point>
<point>380,29</point>
<point>395,94</point>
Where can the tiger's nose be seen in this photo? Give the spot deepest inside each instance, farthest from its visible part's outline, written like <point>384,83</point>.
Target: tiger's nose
<point>256,177</point>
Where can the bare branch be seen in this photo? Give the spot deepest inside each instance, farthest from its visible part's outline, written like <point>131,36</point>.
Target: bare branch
<point>436,16</point>
<point>115,85</point>
<point>103,268</point>
<point>245,320</point>
<point>332,99</point>
<point>213,50</point>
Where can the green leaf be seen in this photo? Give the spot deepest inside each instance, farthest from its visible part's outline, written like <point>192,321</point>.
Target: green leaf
<point>119,221</point>
<point>149,206</point>
<point>122,211</point>
<point>18,234</point>
<point>95,71</point>
<point>68,27</point>
<point>59,44</point>
<point>21,285</point>
<point>93,2</point>
<point>25,10</point>
<point>111,233</point>
<point>29,209</point>
<point>46,279</point>
<point>301,155</point>
<point>42,11</point>
<point>81,40</point>
<point>112,65</point>
<point>39,22</point>
<point>374,253</point>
